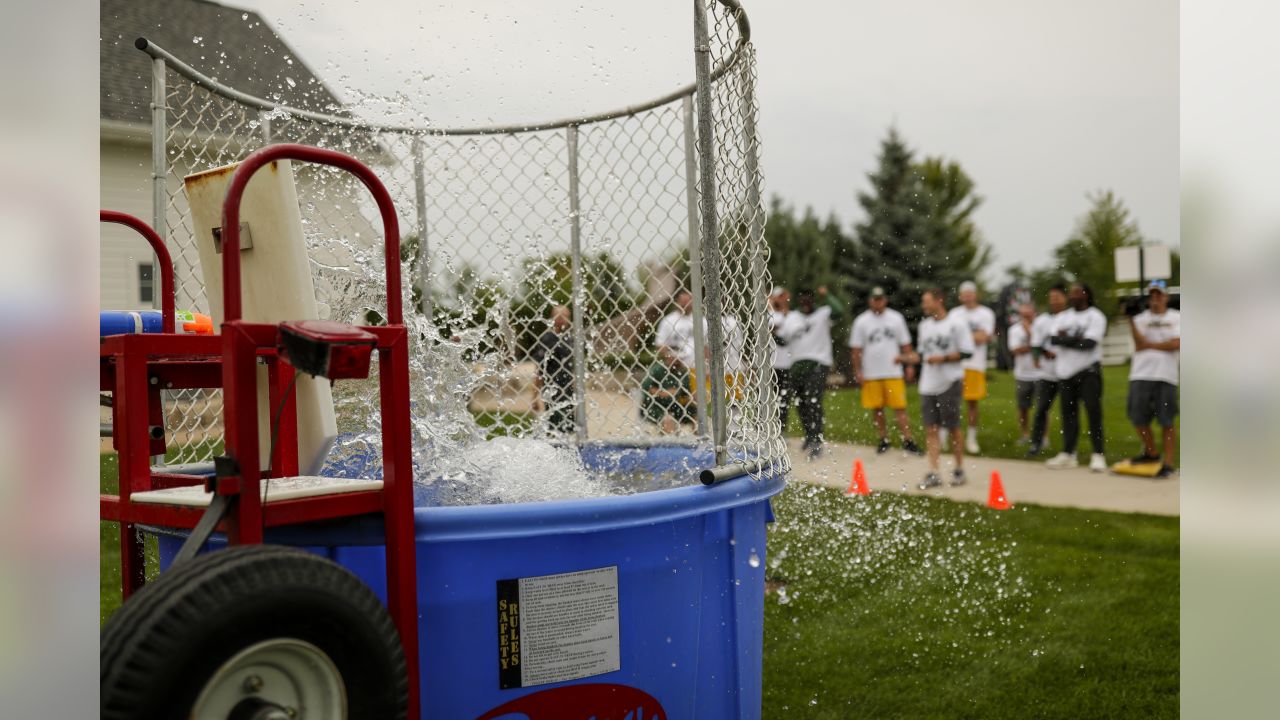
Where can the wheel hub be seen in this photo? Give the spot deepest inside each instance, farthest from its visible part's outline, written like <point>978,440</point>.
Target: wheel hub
<point>277,679</point>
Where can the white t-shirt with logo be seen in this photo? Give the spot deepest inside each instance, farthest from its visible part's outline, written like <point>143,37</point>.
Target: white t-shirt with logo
<point>1090,324</point>
<point>1041,329</point>
<point>781,353</point>
<point>809,336</point>
<point>881,337</point>
<point>1159,365</point>
<point>942,337</point>
<point>1024,365</point>
<point>981,318</point>
<point>676,332</point>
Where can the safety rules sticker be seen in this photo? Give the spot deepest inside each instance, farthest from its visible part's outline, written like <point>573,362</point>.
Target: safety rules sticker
<point>554,628</point>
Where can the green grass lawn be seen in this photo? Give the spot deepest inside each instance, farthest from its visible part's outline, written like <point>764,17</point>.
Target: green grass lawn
<point>998,432</point>
<point>896,606</point>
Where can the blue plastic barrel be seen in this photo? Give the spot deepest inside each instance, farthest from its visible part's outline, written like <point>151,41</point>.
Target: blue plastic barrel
<point>688,564</point>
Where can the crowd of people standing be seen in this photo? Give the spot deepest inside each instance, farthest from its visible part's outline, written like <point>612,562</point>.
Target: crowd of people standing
<point>1057,357</point>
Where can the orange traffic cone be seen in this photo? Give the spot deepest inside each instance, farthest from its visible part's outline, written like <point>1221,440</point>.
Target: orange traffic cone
<point>858,484</point>
<point>996,499</point>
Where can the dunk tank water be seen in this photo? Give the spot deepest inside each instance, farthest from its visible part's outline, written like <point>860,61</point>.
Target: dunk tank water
<point>638,606</point>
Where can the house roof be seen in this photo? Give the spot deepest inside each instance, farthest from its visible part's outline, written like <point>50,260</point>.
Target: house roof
<point>234,46</point>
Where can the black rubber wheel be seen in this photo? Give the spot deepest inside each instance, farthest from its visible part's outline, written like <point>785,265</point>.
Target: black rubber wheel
<point>162,646</point>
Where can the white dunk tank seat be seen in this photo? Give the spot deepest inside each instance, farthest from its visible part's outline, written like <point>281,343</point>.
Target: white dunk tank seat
<point>273,490</point>
<point>276,285</point>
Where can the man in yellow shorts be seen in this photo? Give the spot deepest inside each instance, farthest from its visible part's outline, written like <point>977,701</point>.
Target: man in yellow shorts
<point>982,324</point>
<point>879,341</point>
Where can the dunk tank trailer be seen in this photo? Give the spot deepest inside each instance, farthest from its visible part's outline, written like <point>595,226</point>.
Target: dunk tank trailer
<point>485,427</point>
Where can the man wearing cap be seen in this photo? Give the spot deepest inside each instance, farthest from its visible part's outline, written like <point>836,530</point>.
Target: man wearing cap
<point>880,343</point>
<point>982,324</point>
<point>1153,375</point>
<point>779,307</point>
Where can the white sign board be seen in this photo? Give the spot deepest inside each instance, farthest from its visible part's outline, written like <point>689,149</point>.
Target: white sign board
<point>1149,262</point>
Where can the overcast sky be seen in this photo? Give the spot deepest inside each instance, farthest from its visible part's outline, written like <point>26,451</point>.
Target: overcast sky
<point>1041,102</point>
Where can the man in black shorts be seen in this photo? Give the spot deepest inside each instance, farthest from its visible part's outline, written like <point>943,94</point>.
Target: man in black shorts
<point>1153,376</point>
<point>943,344</point>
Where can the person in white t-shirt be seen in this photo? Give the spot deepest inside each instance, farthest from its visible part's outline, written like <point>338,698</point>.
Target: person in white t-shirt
<point>1047,386</point>
<point>879,342</point>
<point>807,332</point>
<point>1077,346</point>
<point>779,307</point>
<point>674,337</point>
<point>943,343</point>
<point>1153,376</point>
<point>982,324</point>
<point>1026,370</point>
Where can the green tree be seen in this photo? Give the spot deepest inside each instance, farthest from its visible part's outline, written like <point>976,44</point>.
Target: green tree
<point>954,200</point>
<point>918,232</point>
<point>1089,254</point>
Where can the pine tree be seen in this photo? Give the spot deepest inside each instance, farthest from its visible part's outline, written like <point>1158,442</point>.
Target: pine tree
<point>918,232</point>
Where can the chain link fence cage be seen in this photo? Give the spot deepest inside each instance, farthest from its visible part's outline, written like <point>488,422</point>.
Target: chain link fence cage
<point>543,258</point>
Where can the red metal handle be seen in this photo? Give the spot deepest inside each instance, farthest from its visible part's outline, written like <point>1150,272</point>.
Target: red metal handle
<point>162,254</point>
<point>292,151</point>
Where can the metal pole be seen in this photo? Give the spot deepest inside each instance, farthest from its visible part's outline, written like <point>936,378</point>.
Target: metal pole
<point>159,173</point>
<point>695,260</point>
<point>710,241</point>
<point>422,281</point>
<point>159,163</point>
<point>578,301</point>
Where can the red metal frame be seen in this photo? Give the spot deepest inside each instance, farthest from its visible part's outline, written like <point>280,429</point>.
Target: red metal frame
<point>135,367</point>
<point>162,254</point>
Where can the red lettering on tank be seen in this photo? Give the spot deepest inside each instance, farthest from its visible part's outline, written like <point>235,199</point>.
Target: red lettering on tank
<point>592,701</point>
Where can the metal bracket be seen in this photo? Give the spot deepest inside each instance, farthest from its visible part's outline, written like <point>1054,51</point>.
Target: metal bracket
<point>204,529</point>
<point>246,238</point>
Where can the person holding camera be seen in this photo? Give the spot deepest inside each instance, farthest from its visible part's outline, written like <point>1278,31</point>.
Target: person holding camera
<point>1153,376</point>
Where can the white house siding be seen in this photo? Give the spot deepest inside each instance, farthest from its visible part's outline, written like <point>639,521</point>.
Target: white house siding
<point>125,186</point>
<point>125,178</point>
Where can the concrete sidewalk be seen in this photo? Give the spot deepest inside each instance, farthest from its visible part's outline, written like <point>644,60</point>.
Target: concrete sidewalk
<point>1024,481</point>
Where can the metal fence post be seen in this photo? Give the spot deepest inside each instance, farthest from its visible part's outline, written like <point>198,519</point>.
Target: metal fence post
<point>422,280</point>
<point>710,239</point>
<point>578,301</point>
<point>159,163</point>
<point>695,257</point>
<point>159,171</point>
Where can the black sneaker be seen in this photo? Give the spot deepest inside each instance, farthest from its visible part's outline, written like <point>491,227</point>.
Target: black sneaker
<point>808,443</point>
<point>957,478</point>
<point>1144,459</point>
<point>930,481</point>
<point>1033,451</point>
<point>1166,471</point>
<point>883,447</point>
<point>815,450</point>
<point>911,447</point>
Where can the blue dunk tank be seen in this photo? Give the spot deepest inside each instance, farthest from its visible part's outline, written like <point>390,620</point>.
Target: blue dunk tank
<point>295,583</point>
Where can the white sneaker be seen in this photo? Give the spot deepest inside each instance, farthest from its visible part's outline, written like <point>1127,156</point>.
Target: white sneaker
<point>971,445</point>
<point>1098,463</point>
<point>1062,460</point>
